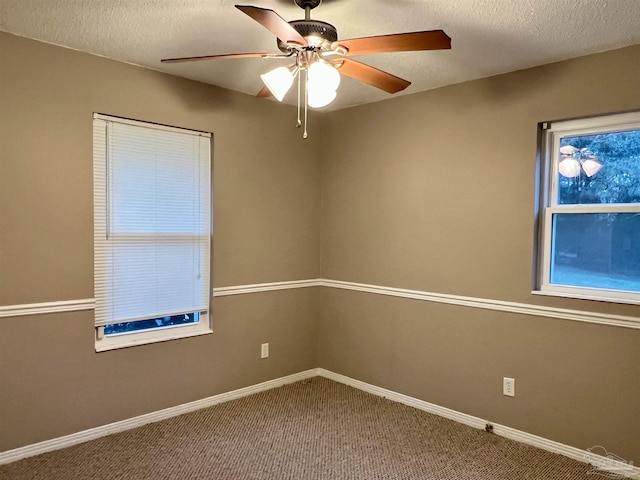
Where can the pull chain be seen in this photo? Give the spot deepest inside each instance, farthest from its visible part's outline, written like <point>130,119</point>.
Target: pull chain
<point>299,124</point>
<point>306,100</point>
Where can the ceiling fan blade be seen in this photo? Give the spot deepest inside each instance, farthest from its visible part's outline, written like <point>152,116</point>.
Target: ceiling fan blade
<point>213,57</point>
<point>371,75</point>
<point>264,93</point>
<point>274,23</point>
<point>399,42</point>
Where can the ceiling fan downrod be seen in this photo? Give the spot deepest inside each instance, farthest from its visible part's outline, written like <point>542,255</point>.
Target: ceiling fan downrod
<point>307,6</point>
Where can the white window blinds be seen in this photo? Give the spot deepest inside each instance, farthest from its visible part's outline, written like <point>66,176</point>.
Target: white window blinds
<point>152,202</point>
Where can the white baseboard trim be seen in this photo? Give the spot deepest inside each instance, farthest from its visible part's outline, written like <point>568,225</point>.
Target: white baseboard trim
<point>610,464</point>
<point>463,418</point>
<point>104,430</point>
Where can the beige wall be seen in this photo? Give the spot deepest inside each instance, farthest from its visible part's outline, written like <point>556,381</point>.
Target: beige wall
<point>435,192</point>
<point>266,199</point>
<point>380,203</point>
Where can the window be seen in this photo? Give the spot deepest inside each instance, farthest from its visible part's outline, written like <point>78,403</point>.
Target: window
<point>590,209</point>
<point>152,234</point>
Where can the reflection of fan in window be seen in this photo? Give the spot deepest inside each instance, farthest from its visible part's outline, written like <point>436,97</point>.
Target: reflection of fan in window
<point>574,160</point>
<point>590,209</point>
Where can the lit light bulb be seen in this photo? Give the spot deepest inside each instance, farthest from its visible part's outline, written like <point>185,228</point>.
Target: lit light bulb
<point>319,98</point>
<point>322,82</point>
<point>324,75</point>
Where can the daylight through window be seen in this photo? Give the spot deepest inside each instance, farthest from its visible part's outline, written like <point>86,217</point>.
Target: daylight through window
<point>590,212</point>
<point>152,195</point>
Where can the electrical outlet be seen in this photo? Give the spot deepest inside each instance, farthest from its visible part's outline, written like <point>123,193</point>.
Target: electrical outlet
<point>509,386</point>
<point>264,350</point>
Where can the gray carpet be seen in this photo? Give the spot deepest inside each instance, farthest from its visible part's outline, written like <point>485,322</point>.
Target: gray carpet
<point>314,429</point>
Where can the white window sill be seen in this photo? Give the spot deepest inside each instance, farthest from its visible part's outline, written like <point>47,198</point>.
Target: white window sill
<point>113,342</point>
<point>584,295</point>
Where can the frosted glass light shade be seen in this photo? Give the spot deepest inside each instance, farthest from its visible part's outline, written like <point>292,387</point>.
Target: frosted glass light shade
<point>322,82</point>
<point>323,75</point>
<point>319,98</point>
<point>278,81</point>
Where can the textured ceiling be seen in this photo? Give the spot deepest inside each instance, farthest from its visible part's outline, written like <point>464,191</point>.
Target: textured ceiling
<point>488,36</point>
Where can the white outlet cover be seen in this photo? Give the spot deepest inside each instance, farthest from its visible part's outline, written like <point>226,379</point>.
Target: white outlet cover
<point>509,386</point>
<point>264,350</point>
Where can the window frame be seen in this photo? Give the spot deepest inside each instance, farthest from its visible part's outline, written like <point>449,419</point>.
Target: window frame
<point>551,134</point>
<point>104,342</point>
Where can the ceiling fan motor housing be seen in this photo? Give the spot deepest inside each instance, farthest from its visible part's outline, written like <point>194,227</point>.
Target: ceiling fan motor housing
<point>307,3</point>
<point>320,35</point>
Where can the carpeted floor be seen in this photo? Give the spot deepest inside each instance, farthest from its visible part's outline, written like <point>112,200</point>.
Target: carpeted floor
<point>315,429</point>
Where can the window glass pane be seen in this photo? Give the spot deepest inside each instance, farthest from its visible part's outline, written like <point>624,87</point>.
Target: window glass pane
<point>602,168</point>
<point>599,250</point>
<point>140,325</point>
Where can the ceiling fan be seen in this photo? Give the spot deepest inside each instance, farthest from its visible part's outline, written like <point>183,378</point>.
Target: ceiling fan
<point>316,51</point>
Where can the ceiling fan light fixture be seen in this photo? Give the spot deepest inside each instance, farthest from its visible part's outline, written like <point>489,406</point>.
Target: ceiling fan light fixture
<point>319,98</point>
<point>279,81</point>
<point>309,42</point>
<point>323,80</point>
<point>323,75</point>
